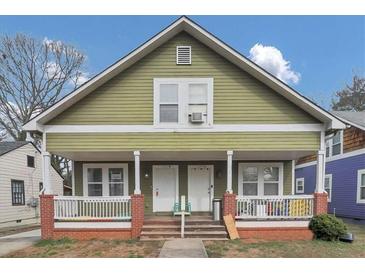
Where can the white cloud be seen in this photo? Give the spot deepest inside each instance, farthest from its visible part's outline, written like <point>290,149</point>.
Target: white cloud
<point>53,70</point>
<point>80,78</point>
<point>272,60</point>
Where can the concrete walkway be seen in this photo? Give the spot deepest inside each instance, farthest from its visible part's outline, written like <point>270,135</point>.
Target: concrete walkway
<point>18,241</point>
<point>183,248</point>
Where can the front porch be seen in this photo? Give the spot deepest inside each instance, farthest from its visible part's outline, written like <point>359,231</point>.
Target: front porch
<point>112,197</point>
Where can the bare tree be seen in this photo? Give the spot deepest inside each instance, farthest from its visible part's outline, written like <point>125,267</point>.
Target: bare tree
<point>351,98</point>
<point>34,74</point>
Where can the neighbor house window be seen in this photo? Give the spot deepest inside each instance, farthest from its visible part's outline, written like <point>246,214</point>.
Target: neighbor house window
<point>334,145</point>
<point>361,186</point>
<point>30,161</point>
<point>328,186</point>
<point>105,179</point>
<point>17,192</point>
<point>299,185</point>
<point>177,99</point>
<point>258,179</point>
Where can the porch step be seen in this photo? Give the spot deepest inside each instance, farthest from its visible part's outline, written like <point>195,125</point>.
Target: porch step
<point>168,227</point>
<point>187,228</point>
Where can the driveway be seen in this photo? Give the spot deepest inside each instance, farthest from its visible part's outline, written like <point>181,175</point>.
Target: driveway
<point>18,241</point>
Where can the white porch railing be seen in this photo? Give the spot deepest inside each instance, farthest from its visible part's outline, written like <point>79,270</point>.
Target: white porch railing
<point>71,208</point>
<point>274,207</point>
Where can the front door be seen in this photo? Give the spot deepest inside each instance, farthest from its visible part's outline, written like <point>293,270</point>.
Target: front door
<point>165,187</point>
<point>200,187</point>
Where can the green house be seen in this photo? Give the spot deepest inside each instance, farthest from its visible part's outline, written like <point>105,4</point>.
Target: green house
<point>185,114</point>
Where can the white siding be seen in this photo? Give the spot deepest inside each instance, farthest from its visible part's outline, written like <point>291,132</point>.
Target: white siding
<point>13,165</point>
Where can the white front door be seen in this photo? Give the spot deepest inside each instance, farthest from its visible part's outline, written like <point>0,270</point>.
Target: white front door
<point>165,187</point>
<point>200,187</point>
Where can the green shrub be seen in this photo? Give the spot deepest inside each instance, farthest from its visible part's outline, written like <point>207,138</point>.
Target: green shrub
<point>327,227</point>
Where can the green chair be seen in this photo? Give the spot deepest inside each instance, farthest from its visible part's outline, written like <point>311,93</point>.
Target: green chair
<point>177,209</point>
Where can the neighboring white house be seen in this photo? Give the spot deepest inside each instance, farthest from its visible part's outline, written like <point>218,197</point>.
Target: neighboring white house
<point>21,182</point>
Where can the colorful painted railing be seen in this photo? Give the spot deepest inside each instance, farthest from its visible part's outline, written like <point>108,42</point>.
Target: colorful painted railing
<point>274,207</point>
<point>71,208</point>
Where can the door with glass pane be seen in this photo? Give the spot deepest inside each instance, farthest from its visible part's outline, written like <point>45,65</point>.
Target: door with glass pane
<point>260,179</point>
<point>105,179</point>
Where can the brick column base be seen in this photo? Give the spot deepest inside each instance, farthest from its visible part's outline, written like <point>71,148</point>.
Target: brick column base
<point>47,216</point>
<point>229,204</point>
<point>137,214</point>
<point>320,203</point>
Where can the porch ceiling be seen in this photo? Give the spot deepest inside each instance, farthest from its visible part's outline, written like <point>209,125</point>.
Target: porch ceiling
<point>185,155</point>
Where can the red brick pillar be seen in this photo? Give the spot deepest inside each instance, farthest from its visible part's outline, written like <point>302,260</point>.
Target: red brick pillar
<point>320,203</point>
<point>137,214</point>
<point>229,204</point>
<point>47,216</point>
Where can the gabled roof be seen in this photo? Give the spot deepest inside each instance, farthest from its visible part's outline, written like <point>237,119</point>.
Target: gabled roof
<point>356,119</point>
<point>187,25</point>
<point>6,147</point>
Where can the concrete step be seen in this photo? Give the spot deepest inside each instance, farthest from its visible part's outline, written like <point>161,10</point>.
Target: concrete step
<point>205,227</point>
<point>187,234</point>
<point>178,222</point>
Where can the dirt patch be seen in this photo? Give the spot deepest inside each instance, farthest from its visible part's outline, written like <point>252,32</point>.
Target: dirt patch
<point>17,229</point>
<point>290,249</point>
<point>67,248</point>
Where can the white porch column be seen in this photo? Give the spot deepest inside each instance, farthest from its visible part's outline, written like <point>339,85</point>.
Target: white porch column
<point>229,171</point>
<point>321,165</point>
<point>321,170</point>
<point>46,169</point>
<point>137,180</point>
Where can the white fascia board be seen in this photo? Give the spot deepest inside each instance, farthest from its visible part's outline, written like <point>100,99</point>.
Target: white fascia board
<point>215,128</point>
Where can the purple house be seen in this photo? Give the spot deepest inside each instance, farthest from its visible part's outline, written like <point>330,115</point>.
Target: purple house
<point>345,168</point>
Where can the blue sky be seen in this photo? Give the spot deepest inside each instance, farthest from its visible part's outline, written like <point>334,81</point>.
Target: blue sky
<point>323,50</point>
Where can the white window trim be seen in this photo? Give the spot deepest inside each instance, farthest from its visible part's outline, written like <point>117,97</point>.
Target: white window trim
<point>177,51</point>
<point>297,180</point>
<point>183,119</point>
<point>260,190</point>
<point>329,194</point>
<point>330,145</point>
<point>359,173</point>
<point>105,174</point>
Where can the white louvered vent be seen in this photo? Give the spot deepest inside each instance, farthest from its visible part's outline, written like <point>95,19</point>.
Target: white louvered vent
<point>183,55</point>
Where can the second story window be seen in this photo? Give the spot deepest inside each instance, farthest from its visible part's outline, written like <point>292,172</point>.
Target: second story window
<point>183,102</point>
<point>169,103</point>
<point>334,145</point>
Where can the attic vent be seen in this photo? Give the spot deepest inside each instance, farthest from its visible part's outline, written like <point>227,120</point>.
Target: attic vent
<point>183,55</point>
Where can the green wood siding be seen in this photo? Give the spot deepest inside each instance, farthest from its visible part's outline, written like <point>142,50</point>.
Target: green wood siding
<point>220,184</point>
<point>128,98</point>
<point>249,141</point>
<point>288,177</point>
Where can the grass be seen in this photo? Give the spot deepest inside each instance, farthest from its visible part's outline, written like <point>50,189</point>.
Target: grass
<point>68,248</point>
<point>290,249</point>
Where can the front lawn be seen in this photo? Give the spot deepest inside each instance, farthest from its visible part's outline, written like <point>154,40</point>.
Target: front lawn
<point>290,249</point>
<point>67,248</point>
